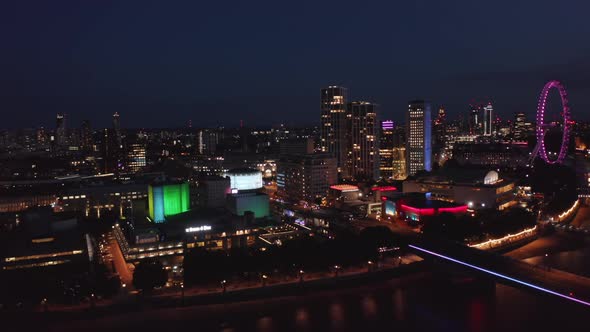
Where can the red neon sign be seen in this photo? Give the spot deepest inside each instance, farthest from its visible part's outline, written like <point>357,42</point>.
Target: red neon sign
<point>456,209</point>
<point>433,211</point>
<point>384,188</point>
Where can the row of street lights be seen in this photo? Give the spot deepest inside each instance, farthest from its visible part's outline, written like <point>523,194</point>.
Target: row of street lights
<point>264,278</point>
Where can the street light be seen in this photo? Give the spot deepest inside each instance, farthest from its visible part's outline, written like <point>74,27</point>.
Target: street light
<point>336,269</point>
<point>44,303</point>
<point>301,272</point>
<point>264,277</point>
<point>223,284</point>
<point>182,293</point>
<point>369,266</point>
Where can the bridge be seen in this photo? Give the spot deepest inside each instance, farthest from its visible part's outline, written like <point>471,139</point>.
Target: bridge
<point>506,270</point>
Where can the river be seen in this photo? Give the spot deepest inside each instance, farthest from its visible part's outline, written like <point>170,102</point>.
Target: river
<point>417,303</point>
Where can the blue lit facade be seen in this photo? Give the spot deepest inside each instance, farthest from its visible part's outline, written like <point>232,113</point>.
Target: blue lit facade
<point>427,138</point>
<point>156,203</point>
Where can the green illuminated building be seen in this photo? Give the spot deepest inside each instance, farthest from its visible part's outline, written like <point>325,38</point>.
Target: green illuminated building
<point>168,200</point>
<point>257,203</point>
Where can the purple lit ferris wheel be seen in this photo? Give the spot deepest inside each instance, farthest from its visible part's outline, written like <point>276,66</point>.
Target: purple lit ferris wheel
<point>543,127</point>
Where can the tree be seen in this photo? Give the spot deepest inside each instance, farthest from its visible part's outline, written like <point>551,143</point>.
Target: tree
<point>148,275</point>
<point>372,238</point>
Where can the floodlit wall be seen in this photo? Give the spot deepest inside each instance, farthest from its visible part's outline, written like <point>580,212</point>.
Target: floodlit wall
<point>168,200</point>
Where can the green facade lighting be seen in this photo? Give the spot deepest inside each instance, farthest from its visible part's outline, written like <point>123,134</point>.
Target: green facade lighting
<point>168,200</point>
<point>258,204</point>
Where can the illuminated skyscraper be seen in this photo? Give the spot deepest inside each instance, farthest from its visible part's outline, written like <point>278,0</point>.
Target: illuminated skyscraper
<point>520,127</point>
<point>474,119</point>
<point>439,129</point>
<point>419,137</point>
<point>136,161</point>
<point>386,149</point>
<point>41,136</point>
<point>364,148</point>
<point>398,155</point>
<point>488,120</point>
<point>61,135</point>
<point>207,140</point>
<point>334,124</point>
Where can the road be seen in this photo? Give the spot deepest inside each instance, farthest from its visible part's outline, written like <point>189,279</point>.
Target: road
<point>582,218</point>
<point>549,244</point>
<point>119,261</point>
<point>240,284</point>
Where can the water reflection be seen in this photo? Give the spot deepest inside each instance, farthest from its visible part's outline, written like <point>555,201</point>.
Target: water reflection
<point>264,324</point>
<point>302,318</point>
<point>399,304</point>
<point>369,307</point>
<point>418,305</point>
<point>337,315</point>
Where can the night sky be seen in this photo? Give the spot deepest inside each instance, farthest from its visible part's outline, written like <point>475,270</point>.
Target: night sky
<point>161,63</point>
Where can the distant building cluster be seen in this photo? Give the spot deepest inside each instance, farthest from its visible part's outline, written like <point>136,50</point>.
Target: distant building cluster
<point>164,193</point>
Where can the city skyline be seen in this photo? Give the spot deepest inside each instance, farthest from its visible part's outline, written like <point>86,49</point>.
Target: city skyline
<point>94,61</point>
<point>274,166</point>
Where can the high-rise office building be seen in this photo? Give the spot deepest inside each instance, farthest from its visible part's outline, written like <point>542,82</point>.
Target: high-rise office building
<point>61,134</point>
<point>296,146</point>
<point>110,152</point>
<point>334,138</point>
<point>520,127</point>
<point>41,136</point>
<point>136,160</point>
<point>474,120</point>
<point>419,137</point>
<point>364,143</point>
<point>86,140</point>
<point>117,129</point>
<point>305,176</point>
<point>386,140</point>
<point>439,128</point>
<point>488,119</point>
<point>207,140</point>
<point>398,155</point>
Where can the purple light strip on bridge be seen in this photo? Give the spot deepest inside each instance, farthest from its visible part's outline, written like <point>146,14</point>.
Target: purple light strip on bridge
<point>501,276</point>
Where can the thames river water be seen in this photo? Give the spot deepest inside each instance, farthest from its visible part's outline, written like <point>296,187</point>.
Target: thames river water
<point>417,303</point>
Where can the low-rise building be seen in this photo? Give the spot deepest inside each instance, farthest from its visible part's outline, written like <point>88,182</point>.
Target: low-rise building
<point>478,189</point>
<point>491,154</point>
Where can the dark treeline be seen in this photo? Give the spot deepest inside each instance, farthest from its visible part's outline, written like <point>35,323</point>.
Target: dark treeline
<point>306,254</point>
<point>493,224</point>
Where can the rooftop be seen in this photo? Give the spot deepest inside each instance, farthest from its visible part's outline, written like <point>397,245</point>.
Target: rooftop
<point>463,176</point>
<point>243,170</point>
<point>344,187</point>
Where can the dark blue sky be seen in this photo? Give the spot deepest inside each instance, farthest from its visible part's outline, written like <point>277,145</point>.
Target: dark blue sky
<point>160,63</point>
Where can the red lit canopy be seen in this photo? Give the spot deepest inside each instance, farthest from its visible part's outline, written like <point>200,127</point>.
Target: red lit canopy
<point>384,188</point>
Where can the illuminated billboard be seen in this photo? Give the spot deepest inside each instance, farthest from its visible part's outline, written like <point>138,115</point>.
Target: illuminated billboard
<point>168,200</point>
